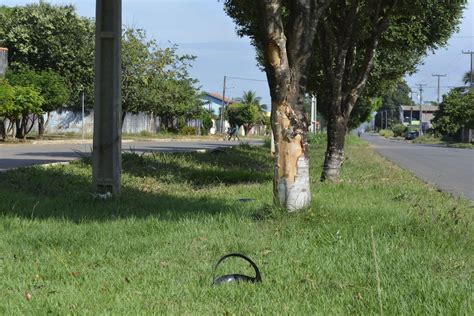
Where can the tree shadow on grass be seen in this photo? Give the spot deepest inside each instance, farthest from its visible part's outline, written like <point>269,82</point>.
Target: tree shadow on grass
<point>243,164</point>
<point>64,192</point>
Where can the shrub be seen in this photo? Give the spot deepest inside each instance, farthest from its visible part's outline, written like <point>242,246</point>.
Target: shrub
<point>399,130</point>
<point>427,139</point>
<point>188,130</point>
<point>146,133</point>
<point>386,133</point>
<point>206,123</point>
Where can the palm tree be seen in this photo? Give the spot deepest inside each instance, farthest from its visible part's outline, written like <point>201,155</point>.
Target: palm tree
<point>467,77</point>
<point>249,97</point>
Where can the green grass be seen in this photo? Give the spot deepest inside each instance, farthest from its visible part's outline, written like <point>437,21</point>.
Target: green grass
<point>152,250</point>
<point>430,139</point>
<point>462,145</point>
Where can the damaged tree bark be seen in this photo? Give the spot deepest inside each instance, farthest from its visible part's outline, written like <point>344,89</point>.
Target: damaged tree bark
<point>287,52</point>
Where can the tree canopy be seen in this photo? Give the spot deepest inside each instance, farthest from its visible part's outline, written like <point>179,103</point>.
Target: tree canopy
<point>50,85</point>
<point>364,47</point>
<point>456,111</point>
<point>43,37</point>
<point>247,112</point>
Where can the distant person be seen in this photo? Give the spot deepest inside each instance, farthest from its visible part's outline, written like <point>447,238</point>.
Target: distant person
<point>359,132</point>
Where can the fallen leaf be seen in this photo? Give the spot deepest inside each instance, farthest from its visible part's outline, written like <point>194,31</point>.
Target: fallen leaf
<point>74,273</point>
<point>266,252</point>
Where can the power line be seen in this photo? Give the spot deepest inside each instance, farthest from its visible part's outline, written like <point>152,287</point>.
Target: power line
<point>247,79</point>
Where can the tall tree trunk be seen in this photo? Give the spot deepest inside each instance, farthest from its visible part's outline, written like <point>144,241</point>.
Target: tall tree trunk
<point>337,130</point>
<point>19,128</point>
<point>288,51</point>
<point>124,114</point>
<point>11,128</point>
<point>24,127</point>
<point>3,130</point>
<point>41,126</point>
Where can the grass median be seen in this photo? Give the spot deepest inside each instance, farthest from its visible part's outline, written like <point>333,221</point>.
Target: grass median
<point>152,250</point>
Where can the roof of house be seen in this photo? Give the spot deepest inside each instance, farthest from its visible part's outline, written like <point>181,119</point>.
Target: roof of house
<point>219,97</point>
<point>424,107</point>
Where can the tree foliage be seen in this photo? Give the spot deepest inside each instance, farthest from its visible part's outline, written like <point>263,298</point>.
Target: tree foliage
<point>241,114</point>
<point>18,101</point>
<point>365,47</point>
<point>391,100</point>
<point>456,111</point>
<point>7,94</point>
<point>156,80</point>
<point>44,37</point>
<point>247,112</point>
<point>50,85</point>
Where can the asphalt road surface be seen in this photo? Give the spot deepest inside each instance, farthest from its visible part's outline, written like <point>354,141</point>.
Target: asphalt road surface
<point>21,155</point>
<point>449,169</point>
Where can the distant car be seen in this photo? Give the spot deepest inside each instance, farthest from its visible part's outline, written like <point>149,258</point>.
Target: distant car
<point>411,135</point>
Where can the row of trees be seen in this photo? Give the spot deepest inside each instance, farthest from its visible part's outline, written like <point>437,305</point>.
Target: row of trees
<point>341,50</point>
<point>26,96</point>
<point>49,42</point>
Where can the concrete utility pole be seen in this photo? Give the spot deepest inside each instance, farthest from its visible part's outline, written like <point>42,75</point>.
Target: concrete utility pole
<point>107,155</point>
<point>471,79</point>
<point>439,85</point>
<point>223,104</point>
<point>420,87</point>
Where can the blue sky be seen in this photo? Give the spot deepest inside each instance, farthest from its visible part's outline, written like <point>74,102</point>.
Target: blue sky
<point>201,28</point>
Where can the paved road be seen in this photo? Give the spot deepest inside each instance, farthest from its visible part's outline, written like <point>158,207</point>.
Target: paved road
<point>449,169</point>
<point>14,156</point>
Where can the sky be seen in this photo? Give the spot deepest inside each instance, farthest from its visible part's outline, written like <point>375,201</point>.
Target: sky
<point>201,28</point>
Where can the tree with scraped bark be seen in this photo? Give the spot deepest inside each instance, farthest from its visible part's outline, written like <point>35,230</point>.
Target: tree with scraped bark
<point>284,32</point>
<point>363,47</point>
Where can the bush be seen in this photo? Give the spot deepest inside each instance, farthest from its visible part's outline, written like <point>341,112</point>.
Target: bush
<point>427,139</point>
<point>206,123</point>
<point>188,130</point>
<point>399,130</point>
<point>146,134</point>
<point>386,133</point>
